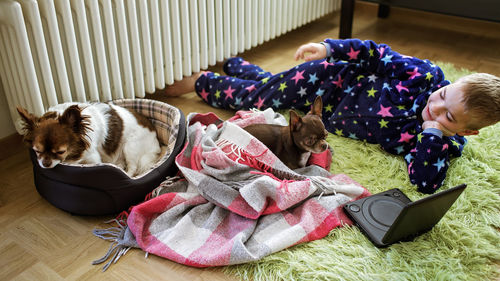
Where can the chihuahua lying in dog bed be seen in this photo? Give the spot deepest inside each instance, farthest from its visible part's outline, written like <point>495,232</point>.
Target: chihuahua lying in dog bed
<point>83,188</point>
<point>92,133</point>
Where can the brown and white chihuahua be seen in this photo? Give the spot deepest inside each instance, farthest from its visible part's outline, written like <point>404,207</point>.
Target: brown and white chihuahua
<point>294,143</point>
<point>91,133</point>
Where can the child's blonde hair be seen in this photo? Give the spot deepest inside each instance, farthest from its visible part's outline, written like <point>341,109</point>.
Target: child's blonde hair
<point>481,98</point>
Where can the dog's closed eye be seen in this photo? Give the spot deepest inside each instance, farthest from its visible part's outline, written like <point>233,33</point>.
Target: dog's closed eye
<point>60,150</point>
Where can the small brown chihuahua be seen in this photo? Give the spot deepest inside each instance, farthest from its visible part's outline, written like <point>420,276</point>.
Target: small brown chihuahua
<point>294,143</point>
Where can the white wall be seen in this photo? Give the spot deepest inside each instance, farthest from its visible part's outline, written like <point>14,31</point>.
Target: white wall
<point>6,125</point>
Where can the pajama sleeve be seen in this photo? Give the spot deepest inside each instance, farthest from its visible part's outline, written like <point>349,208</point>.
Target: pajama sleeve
<point>428,162</point>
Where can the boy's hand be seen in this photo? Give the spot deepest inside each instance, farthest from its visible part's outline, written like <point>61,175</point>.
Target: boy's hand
<point>317,51</point>
<point>437,125</point>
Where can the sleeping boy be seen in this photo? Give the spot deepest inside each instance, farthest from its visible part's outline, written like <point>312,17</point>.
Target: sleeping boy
<point>370,93</point>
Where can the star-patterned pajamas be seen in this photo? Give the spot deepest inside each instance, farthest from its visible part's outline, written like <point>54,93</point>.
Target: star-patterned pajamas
<point>369,92</point>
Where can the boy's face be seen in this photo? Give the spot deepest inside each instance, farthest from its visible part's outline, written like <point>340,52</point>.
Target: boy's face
<point>445,106</point>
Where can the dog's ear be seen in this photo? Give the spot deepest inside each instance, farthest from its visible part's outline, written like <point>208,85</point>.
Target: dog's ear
<point>295,121</point>
<point>73,118</point>
<point>29,120</point>
<point>317,107</point>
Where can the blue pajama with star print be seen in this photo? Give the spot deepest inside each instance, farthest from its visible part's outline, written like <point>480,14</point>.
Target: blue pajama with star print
<point>369,92</point>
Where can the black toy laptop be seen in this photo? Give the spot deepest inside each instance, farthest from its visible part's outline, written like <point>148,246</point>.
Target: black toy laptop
<point>390,216</point>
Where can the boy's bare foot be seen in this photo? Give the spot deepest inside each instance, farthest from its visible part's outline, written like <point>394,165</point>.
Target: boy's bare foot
<point>184,86</point>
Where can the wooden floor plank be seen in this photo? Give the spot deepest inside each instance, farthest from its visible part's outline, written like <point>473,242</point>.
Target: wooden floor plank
<point>14,260</point>
<point>39,272</point>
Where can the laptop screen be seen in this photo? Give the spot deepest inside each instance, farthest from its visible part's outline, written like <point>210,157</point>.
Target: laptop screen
<point>420,216</point>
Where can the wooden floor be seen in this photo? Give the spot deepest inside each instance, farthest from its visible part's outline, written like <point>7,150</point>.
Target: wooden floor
<point>40,242</point>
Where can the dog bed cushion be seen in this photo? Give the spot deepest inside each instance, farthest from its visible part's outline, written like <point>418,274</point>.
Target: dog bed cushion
<point>101,189</point>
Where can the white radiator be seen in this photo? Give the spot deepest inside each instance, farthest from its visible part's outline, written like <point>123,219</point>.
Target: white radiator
<point>54,51</point>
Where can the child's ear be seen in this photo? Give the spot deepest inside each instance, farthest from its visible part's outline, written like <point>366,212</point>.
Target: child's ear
<point>468,132</point>
<point>317,107</point>
<point>295,121</point>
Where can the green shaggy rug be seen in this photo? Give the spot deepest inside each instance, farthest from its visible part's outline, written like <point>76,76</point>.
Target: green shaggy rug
<point>464,245</point>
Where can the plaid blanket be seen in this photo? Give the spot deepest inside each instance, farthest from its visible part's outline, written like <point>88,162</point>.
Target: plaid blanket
<point>234,201</point>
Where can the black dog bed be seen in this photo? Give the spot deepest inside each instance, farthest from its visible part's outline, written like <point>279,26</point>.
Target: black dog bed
<point>101,189</point>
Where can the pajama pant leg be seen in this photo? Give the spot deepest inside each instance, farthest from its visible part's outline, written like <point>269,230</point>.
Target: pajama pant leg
<point>240,68</point>
<point>294,88</point>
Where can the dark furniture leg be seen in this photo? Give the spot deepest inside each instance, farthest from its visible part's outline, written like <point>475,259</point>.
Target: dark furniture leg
<point>383,11</point>
<point>346,15</point>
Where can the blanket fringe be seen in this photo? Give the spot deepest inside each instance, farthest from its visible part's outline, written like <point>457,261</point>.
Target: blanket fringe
<point>325,184</point>
<point>116,250</point>
<point>239,155</point>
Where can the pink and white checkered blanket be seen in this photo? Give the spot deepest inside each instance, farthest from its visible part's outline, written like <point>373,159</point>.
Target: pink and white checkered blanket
<point>235,201</point>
